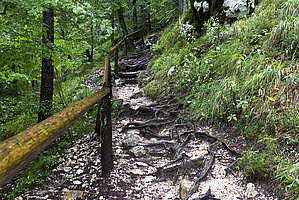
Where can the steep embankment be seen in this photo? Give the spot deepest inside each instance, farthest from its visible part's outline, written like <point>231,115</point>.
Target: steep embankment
<point>244,76</point>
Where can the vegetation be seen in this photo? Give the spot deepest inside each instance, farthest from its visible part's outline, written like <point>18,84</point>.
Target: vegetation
<point>83,32</point>
<point>243,76</point>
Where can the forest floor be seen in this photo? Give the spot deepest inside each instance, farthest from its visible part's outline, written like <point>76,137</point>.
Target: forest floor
<point>158,154</point>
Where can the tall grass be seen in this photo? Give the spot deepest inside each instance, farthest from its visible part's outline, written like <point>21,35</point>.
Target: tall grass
<point>244,76</point>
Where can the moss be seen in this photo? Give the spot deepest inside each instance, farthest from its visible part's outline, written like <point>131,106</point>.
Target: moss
<point>198,18</point>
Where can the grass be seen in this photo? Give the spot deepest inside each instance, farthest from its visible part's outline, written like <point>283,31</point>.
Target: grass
<point>244,76</point>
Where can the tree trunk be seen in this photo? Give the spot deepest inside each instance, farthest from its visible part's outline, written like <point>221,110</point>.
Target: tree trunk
<point>149,17</point>
<point>182,7</point>
<point>92,43</point>
<point>122,23</point>
<point>135,19</point>
<point>143,17</point>
<point>47,76</point>
<point>15,82</point>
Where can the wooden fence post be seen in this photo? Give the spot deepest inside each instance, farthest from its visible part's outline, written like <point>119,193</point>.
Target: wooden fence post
<point>104,127</point>
<point>116,69</point>
<point>125,47</point>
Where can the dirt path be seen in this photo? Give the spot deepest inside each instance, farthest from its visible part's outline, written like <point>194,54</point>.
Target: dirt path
<point>162,164</point>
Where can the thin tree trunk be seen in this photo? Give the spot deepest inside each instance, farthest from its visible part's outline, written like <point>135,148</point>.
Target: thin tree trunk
<point>182,7</point>
<point>47,75</point>
<point>149,18</point>
<point>92,43</point>
<point>143,17</point>
<point>122,23</point>
<point>15,82</point>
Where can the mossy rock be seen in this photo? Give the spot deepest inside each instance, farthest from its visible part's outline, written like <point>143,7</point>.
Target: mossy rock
<point>197,18</point>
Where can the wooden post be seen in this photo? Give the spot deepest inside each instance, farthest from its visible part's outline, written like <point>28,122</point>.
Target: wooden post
<point>116,69</point>
<point>104,126</point>
<point>125,48</point>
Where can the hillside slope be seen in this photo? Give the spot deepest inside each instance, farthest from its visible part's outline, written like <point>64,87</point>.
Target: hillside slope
<point>244,76</point>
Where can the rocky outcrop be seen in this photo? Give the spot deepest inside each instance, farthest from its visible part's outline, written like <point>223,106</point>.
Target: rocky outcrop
<point>226,11</point>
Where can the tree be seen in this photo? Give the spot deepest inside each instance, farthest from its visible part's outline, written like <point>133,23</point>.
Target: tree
<point>47,75</point>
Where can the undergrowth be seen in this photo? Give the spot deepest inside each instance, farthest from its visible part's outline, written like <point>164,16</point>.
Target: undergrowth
<point>21,113</point>
<point>244,76</point>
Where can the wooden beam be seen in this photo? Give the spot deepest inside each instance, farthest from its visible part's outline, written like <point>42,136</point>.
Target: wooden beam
<point>20,149</point>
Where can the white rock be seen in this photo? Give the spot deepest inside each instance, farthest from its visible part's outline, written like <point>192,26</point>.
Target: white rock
<point>79,171</point>
<point>141,164</point>
<point>185,186</point>
<point>201,5</point>
<point>237,8</point>
<point>67,169</point>
<point>118,151</point>
<point>131,139</point>
<point>65,190</point>
<point>76,182</point>
<point>136,172</point>
<point>138,151</point>
<point>148,179</point>
<point>133,131</point>
<point>250,191</point>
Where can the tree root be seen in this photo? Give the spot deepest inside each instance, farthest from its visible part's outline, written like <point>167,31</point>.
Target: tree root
<point>197,161</point>
<point>203,173</point>
<point>206,196</point>
<point>233,150</point>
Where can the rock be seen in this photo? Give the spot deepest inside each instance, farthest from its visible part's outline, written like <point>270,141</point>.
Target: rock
<point>250,191</point>
<point>201,5</point>
<point>133,131</point>
<point>79,171</point>
<point>136,95</point>
<point>237,8</point>
<point>19,198</point>
<point>118,151</point>
<point>136,172</point>
<point>138,151</point>
<point>131,139</point>
<point>141,164</point>
<point>72,194</point>
<point>67,169</point>
<point>148,179</point>
<point>185,186</point>
<point>76,182</point>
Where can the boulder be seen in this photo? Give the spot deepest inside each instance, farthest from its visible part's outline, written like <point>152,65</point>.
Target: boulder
<point>237,9</point>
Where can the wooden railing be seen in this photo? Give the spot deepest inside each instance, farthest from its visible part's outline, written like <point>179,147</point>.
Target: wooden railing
<point>20,149</point>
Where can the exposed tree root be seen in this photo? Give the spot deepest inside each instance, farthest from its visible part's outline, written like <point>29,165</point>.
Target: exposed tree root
<point>233,150</point>
<point>207,167</point>
<point>206,196</point>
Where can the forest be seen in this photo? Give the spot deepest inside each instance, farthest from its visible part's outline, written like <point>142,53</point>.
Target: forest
<point>221,76</point>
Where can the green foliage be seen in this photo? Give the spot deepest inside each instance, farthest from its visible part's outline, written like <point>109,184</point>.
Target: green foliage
<point>288,176</point>
<point>256,166</point>
<point>244,75</point>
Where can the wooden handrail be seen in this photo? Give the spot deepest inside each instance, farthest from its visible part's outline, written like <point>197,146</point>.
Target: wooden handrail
<point>20,149</point>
